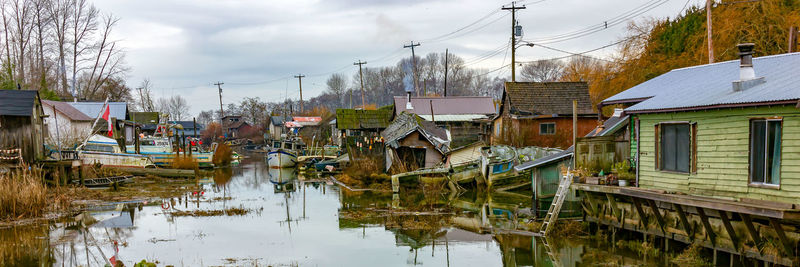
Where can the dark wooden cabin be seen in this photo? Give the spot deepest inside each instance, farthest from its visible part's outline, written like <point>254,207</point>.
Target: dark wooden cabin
<point>22,123</point>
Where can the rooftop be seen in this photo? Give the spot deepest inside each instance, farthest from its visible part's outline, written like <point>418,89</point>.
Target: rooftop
<point>451,105</point>
<point>407,123</point>
<point>350,119</point>
<point>118,110</point>
<point>710,86</point>
<point>17,102</point>
<point>546,98</point>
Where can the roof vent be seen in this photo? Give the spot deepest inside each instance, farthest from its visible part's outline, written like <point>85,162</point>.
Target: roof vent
<point>617,112</point>
<point>747,75</point>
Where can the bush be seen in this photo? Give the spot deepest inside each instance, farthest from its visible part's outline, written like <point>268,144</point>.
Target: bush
<point>223,155</point>
<point>184,162</point>
<point>22,194</point>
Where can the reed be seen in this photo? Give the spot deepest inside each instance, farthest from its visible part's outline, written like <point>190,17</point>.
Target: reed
<point>223,155</point>
<point>22,194</point>
<point>184,162</point>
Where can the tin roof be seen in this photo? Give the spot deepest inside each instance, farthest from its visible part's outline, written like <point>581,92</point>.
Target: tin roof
<point>611,125</point>
<point>546,160</point>
<point>118,110</point>
<point>17,102</point>
<point>545,98</point>
<point>710,86</point>
<point>450,105</point>
<point>456,117</point>
<point>279,120</point>
<point>66,109</point>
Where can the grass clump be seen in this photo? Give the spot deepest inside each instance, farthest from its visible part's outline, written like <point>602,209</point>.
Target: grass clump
<point>22,194</point>
<point>691,257</point>
<point>223,155</point>
<point>184,163</point>
<point>209,213</point>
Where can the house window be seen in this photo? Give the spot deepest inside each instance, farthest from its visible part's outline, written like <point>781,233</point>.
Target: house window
<point>675,147</point>
<point>547,128</point>
<point>765,151</point>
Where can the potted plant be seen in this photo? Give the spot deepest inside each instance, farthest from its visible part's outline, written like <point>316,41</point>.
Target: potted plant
<point>622,171</point>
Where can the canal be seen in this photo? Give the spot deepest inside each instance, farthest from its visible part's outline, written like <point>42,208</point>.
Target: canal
<point>255,216</point>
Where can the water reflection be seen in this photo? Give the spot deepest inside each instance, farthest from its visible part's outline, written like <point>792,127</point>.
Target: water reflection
<point>298,221</point>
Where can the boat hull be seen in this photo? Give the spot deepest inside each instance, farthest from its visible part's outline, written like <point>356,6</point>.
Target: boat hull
<point>281,159</point>
<point>115,159</point>
<point>164,159</point>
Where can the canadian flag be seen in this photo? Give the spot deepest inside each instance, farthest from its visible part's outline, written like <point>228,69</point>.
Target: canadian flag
<point>107,117</point>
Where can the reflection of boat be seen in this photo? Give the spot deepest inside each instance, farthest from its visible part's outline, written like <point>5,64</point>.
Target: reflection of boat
<point>106,151</point>
<point>159,149</point>
<point>284,153</point>
<point>283,179</point>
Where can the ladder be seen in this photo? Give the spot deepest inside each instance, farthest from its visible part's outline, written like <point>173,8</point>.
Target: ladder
<point>558,201</point>
<point>547,248</point>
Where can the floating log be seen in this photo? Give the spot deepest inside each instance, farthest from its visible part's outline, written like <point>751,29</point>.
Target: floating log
<point>169,173</point>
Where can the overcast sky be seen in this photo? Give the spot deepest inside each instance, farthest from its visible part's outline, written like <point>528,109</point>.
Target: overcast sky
<point>255,47</point>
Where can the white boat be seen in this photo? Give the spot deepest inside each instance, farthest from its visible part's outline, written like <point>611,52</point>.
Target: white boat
<point>159,149</point>
<point>284,153</point>
<point>106,151</point>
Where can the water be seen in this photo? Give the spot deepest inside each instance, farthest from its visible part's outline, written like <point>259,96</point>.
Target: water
<point>294,221</point>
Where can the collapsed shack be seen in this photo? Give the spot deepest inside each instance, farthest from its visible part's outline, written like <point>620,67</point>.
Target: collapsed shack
<point>21,125</point>
<point>413,143</point>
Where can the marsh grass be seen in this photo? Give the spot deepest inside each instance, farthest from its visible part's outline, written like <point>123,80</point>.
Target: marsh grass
<point>223,155</point>
<point>184,163</point>
<point>22,194</point>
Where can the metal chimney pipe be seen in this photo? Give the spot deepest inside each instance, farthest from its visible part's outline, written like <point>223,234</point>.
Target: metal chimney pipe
<point>746,71</point>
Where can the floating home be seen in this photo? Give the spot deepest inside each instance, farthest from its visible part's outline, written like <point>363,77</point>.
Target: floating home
<point>717,155</point>
<point>468,118</point>
<point>540,114</point>
<point>21,126</point>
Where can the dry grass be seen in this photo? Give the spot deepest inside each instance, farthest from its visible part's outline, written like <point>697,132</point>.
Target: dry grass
<point>691,257</point>
<point>184,163</point>
<point>223,155</point>
<point>208,213</point>
<point>22,194</point>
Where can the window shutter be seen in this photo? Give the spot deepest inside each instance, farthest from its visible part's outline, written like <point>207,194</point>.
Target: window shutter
<point>657,137</point>
<point>694,147</point>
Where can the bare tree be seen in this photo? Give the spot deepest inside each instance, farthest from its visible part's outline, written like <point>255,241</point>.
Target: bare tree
<point>542,71</point>
<point>145,96</point>
<point>82,26</point>
<point>178,107</point>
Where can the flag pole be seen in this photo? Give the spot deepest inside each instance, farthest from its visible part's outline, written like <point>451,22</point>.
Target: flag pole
<point>91,132</point>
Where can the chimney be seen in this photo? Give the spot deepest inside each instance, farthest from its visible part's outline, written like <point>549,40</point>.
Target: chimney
<point>408,103</point>
<point>747,75</point>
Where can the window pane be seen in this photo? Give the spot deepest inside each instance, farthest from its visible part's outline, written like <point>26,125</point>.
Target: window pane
<point>774,152</point>
<point>683,147</point>
<point>668,147</point>
<point>757,146</point>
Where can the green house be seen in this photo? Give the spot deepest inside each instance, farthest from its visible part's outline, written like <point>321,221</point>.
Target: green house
<point>728,130</point>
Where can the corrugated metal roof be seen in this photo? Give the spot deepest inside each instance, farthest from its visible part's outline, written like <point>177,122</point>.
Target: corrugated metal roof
<point>17,102</point>
<point>611,125</point>
<point>118,110</point>
<point>66,109</point>
<point>456,117</point>
<point>711,85</point>
<point>545,160</point>
<point>446,105</point>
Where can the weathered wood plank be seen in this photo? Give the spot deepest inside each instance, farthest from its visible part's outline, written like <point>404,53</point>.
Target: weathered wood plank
<point>707,226</point>
<point>684,221</point>
<point>785,244</point>
<point>748,222</point>
<point>723,215</point>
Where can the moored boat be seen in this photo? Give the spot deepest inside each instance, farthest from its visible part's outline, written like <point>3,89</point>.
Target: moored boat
<point>284,153</point>
<point>106,151</point>
<point>159,149</point>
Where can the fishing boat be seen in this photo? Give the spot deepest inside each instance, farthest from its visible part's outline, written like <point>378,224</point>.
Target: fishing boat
<point>497,163</point>
<point>106,151</point>
<point>159,149</point>
<point>284,153</point>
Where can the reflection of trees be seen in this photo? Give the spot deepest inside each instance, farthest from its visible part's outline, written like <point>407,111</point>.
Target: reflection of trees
<point>24,246</point>
<point>222,176</point>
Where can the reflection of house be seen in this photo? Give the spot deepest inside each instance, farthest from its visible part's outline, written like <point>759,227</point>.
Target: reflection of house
<point>540,114</point>
<point>235,126</point>
<point>65,125</point>
<point>21,123</point>
<point>190,129</point>
<point>466,117</point>
<point>412,142</point>
<point>276,126</point>
<point>356,126</point>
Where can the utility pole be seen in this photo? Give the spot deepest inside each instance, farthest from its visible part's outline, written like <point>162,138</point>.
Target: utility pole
<point>221,111</point>
<point>300,80</point>
<point>793,32</point>
<point>513,9</point>
<point>414,62</point>
<point>708,25</point>
<point>446,55</point>
<point>361,77</point>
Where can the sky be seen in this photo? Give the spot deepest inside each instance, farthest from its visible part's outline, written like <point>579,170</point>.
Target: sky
<point>256,47</point>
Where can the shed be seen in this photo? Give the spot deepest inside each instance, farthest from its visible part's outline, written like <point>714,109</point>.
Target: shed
<point>413,143</point>
<point>21,124</point>
<point>468,118</point>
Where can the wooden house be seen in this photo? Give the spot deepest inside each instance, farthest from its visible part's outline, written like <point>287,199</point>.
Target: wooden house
<point>717,152</point>
<point>235,126</point>
<point>606,145</point>
<point>22,124</point>
<point>66,125</point>
<point>468,118</point>
<point>540,114</point>
<point>412,143</point>
<point>277,127</point>
<point>360,130</point>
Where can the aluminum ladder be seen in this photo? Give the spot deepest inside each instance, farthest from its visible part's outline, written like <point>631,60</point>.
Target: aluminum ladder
<point>558,201</point>
<point>550,253</point>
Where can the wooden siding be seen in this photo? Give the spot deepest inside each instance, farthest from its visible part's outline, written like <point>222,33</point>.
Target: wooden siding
<point>723,154</point>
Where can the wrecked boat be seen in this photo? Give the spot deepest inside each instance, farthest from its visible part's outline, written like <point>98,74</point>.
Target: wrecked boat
<point>159,149</point>
<point>106,151</point>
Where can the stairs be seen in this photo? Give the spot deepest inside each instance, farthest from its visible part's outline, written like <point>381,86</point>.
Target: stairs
<point>558,201</point>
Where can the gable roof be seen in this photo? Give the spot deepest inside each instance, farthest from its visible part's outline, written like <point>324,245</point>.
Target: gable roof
<point>451,105</point>
<point>407,123</point>
<point>611,125</point>
<point>350,119</point>
<point>17,102</point>
<point>188,125</point>
<point>545,98</point>
<point>118,110</point>
<point>237,125</point>
<point>67,109</point>
<point>279,120</point>
<point>710,86</point>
